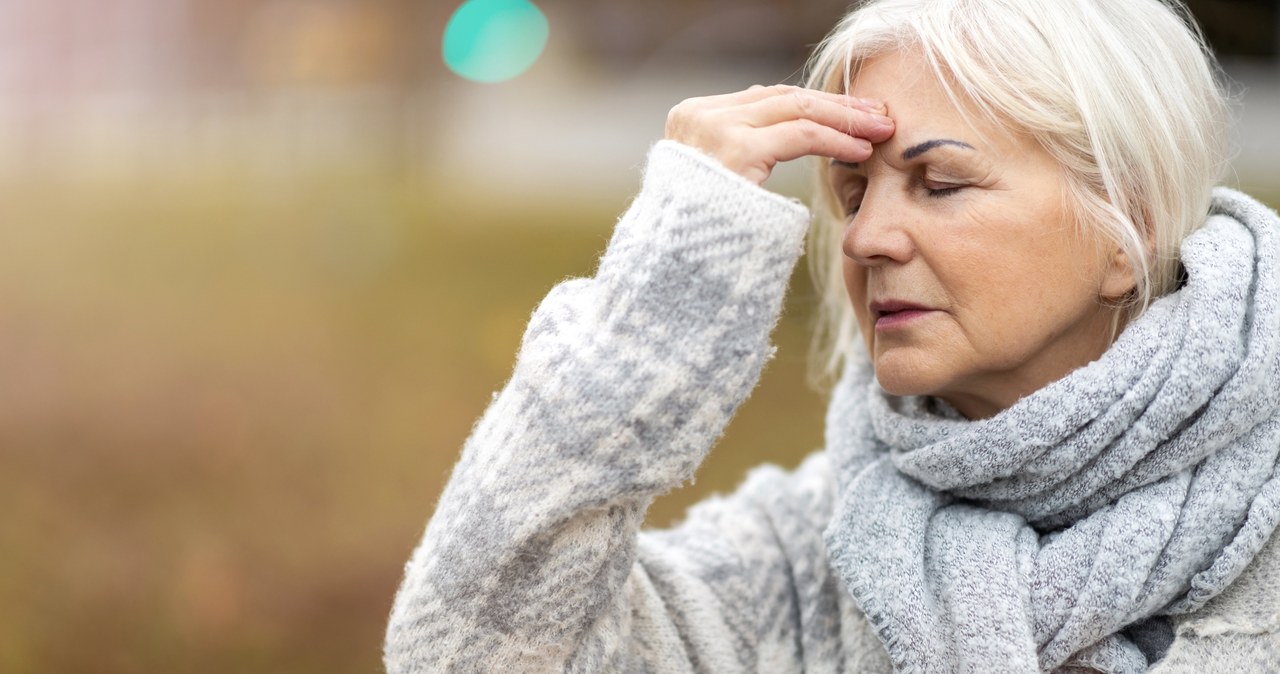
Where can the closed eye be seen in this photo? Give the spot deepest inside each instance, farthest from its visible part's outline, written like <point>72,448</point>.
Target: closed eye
<point>848,184</point>
<point>938,189</point>
<point>849,194</point>
<point>942,192</point>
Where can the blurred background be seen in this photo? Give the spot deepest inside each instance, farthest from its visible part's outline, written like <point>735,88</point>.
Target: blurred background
<point>264,262</point>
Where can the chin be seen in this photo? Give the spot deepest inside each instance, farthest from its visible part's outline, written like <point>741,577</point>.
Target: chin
<point>905,379</point>
<point>901,384</point>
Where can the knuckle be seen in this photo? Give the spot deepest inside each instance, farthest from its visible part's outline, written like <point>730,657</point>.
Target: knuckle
<point>681,109</point>
<point>803,103</point>
<point>809,132</point>
<point>684,113</point>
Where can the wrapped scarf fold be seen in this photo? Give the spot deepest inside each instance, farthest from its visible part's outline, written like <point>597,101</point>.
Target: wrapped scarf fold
<point>1064,530</point>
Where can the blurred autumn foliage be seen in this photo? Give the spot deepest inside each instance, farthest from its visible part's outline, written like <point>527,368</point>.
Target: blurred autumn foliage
<point>224,422</point>
<point>251,303</point>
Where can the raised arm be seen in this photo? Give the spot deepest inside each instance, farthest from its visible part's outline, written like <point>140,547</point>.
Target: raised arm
<point>622,384</point>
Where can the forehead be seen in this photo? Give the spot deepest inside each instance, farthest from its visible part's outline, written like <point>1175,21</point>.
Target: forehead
<point>921,107</point>
<point>907,84</point>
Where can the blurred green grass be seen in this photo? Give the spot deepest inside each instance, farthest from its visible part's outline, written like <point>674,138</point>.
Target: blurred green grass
<point>227,408</point>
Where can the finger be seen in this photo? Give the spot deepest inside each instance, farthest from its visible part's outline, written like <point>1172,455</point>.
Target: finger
<point>803,137</point>
<point>755,92</point>
<point>758,92</point>
<point>754,152</point>
<point>868,104</point>
<point>800,105</point>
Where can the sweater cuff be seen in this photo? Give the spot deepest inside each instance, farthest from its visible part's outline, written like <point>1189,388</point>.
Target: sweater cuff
<point>666,155</point>
<point>659,348</point>
<point>684,173</point>
<point>694,214</point>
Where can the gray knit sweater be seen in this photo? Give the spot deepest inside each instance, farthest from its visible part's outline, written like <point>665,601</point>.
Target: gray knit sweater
<point>534,560</point>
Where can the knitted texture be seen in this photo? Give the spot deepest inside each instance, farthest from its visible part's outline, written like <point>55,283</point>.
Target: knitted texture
<point>622,384</point>
<point>1141,485</point>
<point>533,560</point>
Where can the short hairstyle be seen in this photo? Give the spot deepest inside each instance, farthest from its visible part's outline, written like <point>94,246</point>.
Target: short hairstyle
<point>1124,94</point>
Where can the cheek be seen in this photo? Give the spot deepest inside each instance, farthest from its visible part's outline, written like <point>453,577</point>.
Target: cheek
<point>1030,294</point>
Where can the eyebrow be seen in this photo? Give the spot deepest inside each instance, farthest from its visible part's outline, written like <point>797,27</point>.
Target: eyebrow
<point>917,150</point>
<point>911,152</point>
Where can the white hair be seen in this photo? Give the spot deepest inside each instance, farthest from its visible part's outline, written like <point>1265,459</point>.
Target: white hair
<point>1124,94</point>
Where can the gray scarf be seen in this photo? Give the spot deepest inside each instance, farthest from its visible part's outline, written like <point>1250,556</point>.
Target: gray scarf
<point>1064,530</point>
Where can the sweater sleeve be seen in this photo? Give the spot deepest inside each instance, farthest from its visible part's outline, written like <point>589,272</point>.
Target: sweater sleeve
<point>622,384</point>
<point>1237,631</point>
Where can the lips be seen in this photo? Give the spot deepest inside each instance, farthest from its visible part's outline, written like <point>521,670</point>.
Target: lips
<point>881,309</point>
<point>897,313</point>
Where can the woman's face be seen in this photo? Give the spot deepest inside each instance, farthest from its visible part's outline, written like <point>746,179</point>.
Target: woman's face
<point>968,278</point>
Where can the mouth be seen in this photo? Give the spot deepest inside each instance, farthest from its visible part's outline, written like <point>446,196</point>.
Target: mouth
<point>891,314</point>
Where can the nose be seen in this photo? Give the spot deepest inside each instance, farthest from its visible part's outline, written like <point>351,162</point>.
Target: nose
<point>877,235</point>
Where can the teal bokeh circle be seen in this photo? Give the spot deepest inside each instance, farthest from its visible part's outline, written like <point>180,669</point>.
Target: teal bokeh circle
<point>494,40</point>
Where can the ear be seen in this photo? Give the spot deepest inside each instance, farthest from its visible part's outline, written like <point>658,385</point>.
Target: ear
<point>1119,278</point>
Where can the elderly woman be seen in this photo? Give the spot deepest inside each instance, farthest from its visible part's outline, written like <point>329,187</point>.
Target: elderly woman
<point>1058,452</point>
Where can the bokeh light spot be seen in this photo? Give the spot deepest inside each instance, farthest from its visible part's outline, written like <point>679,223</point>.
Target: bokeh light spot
<point>494,40</point>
